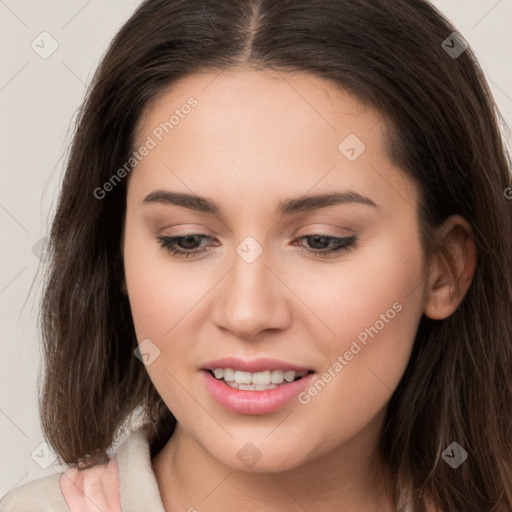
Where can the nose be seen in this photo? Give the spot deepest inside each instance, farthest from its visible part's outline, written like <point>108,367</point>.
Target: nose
<point>253,297</point>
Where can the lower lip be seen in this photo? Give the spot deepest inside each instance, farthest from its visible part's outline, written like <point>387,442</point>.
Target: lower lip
<point>254,402</point>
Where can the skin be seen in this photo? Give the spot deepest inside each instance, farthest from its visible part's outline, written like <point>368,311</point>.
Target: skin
<point>255,139</point>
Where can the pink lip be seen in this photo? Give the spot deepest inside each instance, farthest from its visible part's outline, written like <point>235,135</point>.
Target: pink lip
<point>254,402</point>
<point>256,365</point>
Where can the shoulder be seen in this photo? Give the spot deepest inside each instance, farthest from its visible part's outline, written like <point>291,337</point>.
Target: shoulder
<point>127,477</point>
<point>40,495</point>
<point>71,490</point>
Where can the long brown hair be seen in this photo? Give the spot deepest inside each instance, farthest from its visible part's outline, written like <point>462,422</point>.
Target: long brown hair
<point>444,132</point>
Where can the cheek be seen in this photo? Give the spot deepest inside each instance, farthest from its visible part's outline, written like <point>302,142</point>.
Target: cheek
<point>352,294</point>
<point>363,369</point>
<point>161,297</point>
<point>160,293</point>
<point>374,308</point>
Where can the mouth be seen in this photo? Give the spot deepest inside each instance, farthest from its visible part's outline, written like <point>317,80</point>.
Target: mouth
<point>257,381</point>
<point>261,392</point>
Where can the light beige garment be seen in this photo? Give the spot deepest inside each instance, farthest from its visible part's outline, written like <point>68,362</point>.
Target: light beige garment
<point>127,484</point>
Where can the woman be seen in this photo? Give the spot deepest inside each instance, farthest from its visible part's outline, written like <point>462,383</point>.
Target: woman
<point>283,236</point>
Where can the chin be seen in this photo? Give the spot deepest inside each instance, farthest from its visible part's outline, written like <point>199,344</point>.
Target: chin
<point>248,457</point>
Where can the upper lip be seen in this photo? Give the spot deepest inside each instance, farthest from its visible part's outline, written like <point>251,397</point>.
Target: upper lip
<point>255,365</point>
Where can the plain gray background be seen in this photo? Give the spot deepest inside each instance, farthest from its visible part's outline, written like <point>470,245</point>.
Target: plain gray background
<point>38,101</point>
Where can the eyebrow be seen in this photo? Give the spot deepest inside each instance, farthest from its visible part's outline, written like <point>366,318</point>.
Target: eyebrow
<point>287,207</point>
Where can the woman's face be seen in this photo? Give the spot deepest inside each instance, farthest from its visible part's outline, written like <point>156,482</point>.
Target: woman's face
<point>258,282</point>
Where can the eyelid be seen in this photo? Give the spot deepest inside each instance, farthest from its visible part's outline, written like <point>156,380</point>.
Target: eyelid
<point>348,243</point>
<point>197,229</point>
<point>315,229</point>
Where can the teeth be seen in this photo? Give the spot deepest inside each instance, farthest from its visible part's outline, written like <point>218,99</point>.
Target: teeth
<point>289,376</point>
<point>277,376</point>
<point>261,378</point>
<point>263,387</point>
<point>249,381</point>
<point>229,374</point>
<point>251,387</point>
<point>243,377</point>
<point>246,387</point>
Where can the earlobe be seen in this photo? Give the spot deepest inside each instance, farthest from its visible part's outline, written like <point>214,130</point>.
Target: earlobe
<point>452,270</point>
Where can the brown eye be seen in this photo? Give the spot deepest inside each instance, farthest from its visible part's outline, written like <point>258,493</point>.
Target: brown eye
<point>183,245</point>
<point>318,244</point>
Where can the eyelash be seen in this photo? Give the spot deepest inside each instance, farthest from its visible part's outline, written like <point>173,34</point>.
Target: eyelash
<point>347,244</point>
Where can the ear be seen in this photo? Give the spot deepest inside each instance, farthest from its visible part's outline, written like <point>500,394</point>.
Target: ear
<point>452,269</point>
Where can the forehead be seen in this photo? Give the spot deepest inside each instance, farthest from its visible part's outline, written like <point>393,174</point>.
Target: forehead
<point>259,97</point>
<point>259,132</point>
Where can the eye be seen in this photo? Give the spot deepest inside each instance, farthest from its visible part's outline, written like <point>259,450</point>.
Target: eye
<point>340,244</point>
<point>186,245</point>
<point>188,241</point>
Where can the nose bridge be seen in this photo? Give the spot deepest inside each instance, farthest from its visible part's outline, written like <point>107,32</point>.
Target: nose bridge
<point>251,300</point>
<point>249,287</point>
